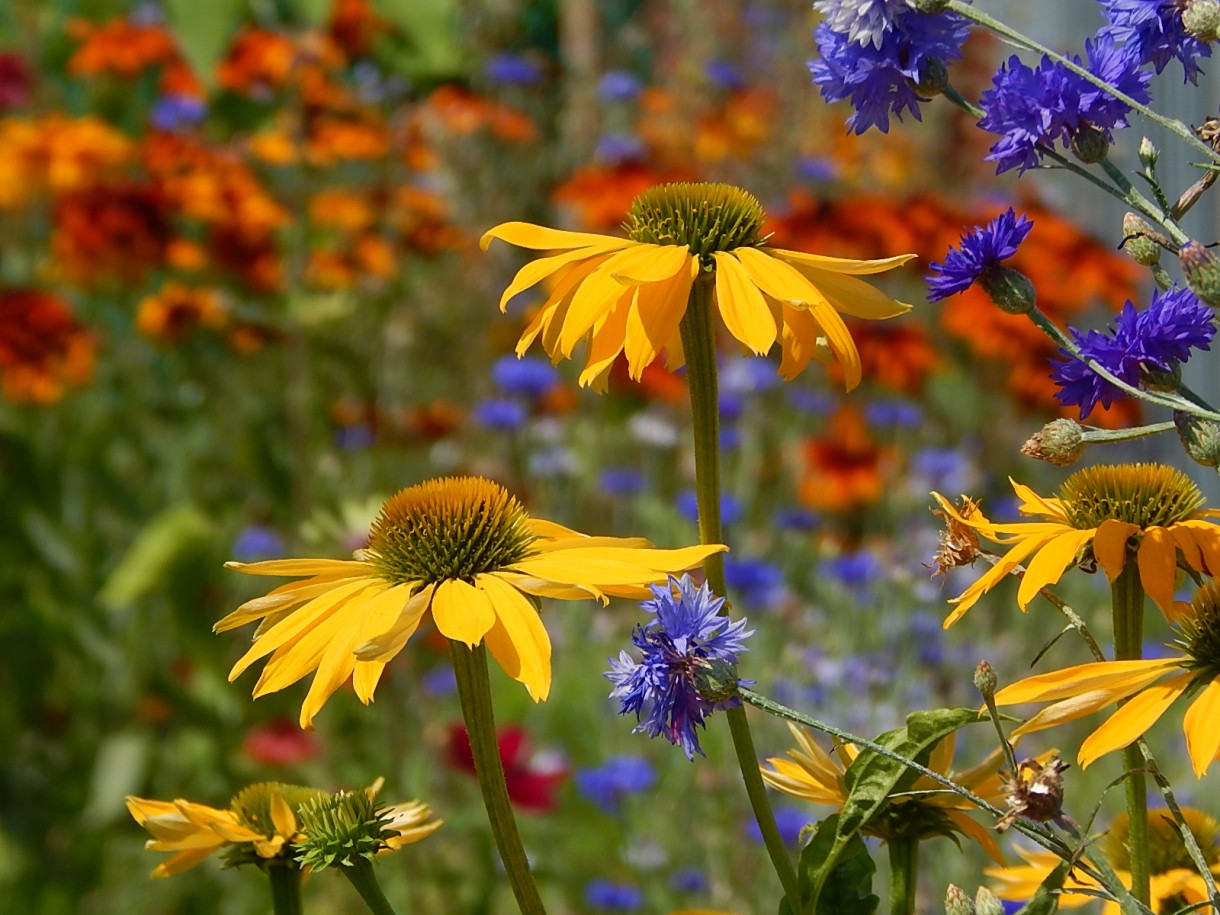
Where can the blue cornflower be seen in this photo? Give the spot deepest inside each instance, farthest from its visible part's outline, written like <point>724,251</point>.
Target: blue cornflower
<point>255,543</point>
<point>1152,30</point>
<point>1031,108</point>
<point>730,507</point>
<point>983,249</point>
<point>177,112</point>
<point>678,645</point>
<point>862,21</point>
<point>689,880</point>
<point>613,897</point>
<point>816,169</point>
<point>619,776</point>
<point>747,375</point>
<point>500,414</point>
<point>529,376</point>
<point>790,820</point>
<point>1159,338</point>
<point>618,86</point>
<point>512,70</point>
<point>617,148</point>
<point>893,414</point>
<point>621,481</point>
<point>756,582</point>
<point>882,78</point>
<point>942,469</point>
<point>723,74</point>
<point>854,570</point>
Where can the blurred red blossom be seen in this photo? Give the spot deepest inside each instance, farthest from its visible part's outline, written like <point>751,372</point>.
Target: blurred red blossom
<point>531,782</point>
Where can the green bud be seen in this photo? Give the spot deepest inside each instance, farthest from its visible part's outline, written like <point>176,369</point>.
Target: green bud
<point>1148,153</point>
<point>1200,437</point>
<point>1011,290</point>
<point>985,679</point>
<point>933,77</point>
<point>986,903</point>
<point>1154,379</point>
<point>1089,144</point>
<point>716,680</point>
<point>341,828</point>
<point>930,7</point>
<point>1202,272</point>
<point>1059,442</point>
<point>1138,241</point>
<point>1201,19</point>
<point>957,902</point>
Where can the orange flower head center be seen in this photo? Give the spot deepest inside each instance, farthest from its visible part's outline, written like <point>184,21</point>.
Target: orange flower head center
<point>702,216</point>
<point>455,527</point>
<point>1147,495</point>
<point>1166,850</point>
<point>1199,632</point>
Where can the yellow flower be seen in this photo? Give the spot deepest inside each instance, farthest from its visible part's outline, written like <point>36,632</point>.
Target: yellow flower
<point>928,808</point>
<point>262,822</point>
<point>1175,881</point>
<point>1150,686</point>
<point>629,294</point>
<point>1098,511</point>
<point>461,550</point>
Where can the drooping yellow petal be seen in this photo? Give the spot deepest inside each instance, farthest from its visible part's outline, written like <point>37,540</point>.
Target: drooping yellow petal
<point>541,238</point>
<point>282,817</point>
<point>854,297</point>
<point>1034,504</point>
<point>742,307</point>
<point>462,612</point>
<point>298,568</point>
<point>183,861</point>
<point>799,339</point>
<point>1157,559</point>
<point>1202,726</point>
<point>274,602</point>
<point>656,264</point>
<point>1129,722</point>
<point>519,642</point>
<point>600,292</point>
<point>1110,545</point>
<point>941,756</point>
<point>996,574</point>
<point>1067,710</point>
<point>1047,567</point>
<point>536,271</point>
<point>1071,681</point>
<point>605,343</point>
<point>972,829</point>
<point>842,265</point>
<point>1207,536</point>
<point>655,315</point>
<point>585,567</point>
<point>382,648</point>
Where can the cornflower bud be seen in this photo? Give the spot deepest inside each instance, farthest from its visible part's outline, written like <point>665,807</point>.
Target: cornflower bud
<point>957,902</point>
<point>1200,437</point>
<point>985,680</point>
<point>933,77</point>
<point>1148,153</point>
<point>1202,272</point>
<point>1011,290</point>
<point>1089,144</point>
<point>1140,241</point>
<point>930,7</point>
<point>1201,19</point>
<point>987,903</point>
<point>1059,442</point>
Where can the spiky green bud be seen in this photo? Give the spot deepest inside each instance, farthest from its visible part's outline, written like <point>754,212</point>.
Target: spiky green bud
<point>1011,290</point>
<point>957,901</point>
<point>986,903</point>
<point>1202,271</point>
<point>1059,442</point>
<point>1201,19</point>
<point>1200,437</point>
<point>985,679</point>
<point>1139,241</point>
<point>716,680</point>
<point>341,828</point>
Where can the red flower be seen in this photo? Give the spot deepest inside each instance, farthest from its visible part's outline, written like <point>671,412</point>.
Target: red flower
<point>279,742</point>
<point>16,81</point>
<point>531,784</point>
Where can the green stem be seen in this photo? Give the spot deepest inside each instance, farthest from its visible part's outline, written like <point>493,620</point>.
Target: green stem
<point>1100,436</point>
<point>360,874</point>
<point>474,694</point>
<point>904,853</point>
<point>699,347</point>
<point>1127,602</point>
<point>285,888</point>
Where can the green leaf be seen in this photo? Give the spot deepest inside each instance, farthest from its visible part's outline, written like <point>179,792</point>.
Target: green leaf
<point>179,532</point>
<point>846,888</point>
<point>203,31</point>
<point>431,30</point>
<point>118,770</point>
<point>316,13</point>
<point>1045,899</point>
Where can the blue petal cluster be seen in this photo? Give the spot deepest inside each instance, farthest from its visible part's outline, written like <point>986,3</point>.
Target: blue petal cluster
<point>609,784</point>
<point>1158,338</point>
<point>528,376</point>
<point>983,249</point>
<point>880,79</point>
<point>1152,31</point>
<point>660,688</point>
<point>1031,108</point>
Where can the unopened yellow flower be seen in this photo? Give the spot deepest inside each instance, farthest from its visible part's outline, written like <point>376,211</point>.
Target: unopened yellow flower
<point>1100,510</point>
<point>629,294</point>
<point>929,809</point>
<point>261,823</point>
<point>1150,686</point>
<point>1175,881</point>
<point>461,550</point>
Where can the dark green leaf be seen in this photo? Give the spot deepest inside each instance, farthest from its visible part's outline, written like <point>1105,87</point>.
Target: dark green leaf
<point>1045,899</point>
<point>203,31</point>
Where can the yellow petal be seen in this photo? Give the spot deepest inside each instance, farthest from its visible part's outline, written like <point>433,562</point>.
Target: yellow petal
<point>1059,684</point>
<point>799,339</point>
<point>537,270</point>
<point>1066,710</point>
<point>462,612</point>
<point>972,829</point>
<point>1047,567</point>
<point>274,603</point>
<point>541,238</point>
<point>656,264</point>
<point>856,298</point>
<point>1202,726</point>
<point>742,307</point>
<point>605,343</point>
<point>1157,559</point>
<point>1110,545</point>
<point>841,264</point>
<point>383,647</point>
<point>1130,721</point>
<point>600,292</point>
<point>655,316</point>
<point>995,575</point>
<point>1034,504</point>
<point>540,587</point>
<point>297,568</point>
<point>281,817</point>
<point>519,642</point>
<point>183,861</point>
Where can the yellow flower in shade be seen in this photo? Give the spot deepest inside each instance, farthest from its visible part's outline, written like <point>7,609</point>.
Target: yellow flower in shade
<point>263,822</point>
<point>628,295</point>
<point>1175,881</point>
<point>1149,686</point>
<point>928,809</point>
<point>1103,513</point>
<point>461,550</point>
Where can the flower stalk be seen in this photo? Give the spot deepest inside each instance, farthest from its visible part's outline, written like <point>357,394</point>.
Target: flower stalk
<point>699,347</point>
<point>361,875</point>
<point>474,694</point>
<point>1127,603</point>
<point>904,856</point>
<point>285,888</point>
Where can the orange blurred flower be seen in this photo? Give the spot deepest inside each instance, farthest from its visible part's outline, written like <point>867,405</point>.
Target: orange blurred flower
<point>354,26</point>
<point>340,208</point>
<point>251,257</point>
<point>120,47</point>
<point>334,139</point>
<point>44,350</point>
<point>845,469</point>
<point>895,355</point>
<point>420,219</point>
<point>56,153</point>
<point>258,62</point>
<point>117,231</point>
<point>173,313</point>
<point>737,129</point>
<point>599,196</point>
<point>459,111</point>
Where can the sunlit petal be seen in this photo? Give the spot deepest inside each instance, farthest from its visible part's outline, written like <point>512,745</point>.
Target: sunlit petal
<point>1130,721</point>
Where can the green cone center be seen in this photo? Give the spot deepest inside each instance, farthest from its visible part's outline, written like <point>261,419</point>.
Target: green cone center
<point>1166,851</point>
<point>1199,631</point>
<point>1147,495</point>
<point>457,527</point>
<point>704,217</point>
<point>252,804</point>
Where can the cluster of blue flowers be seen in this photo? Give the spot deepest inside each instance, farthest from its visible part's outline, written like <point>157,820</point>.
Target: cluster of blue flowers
<point>983,250</point>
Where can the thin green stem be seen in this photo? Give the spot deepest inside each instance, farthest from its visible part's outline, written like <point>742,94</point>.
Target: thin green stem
<point>1103,436</point>
<point>1171,124</point>
<point>904,855</point>
<point>1127,603</point>
<point>474,694</point>
<point>360,874</point>
<point>1188,837</point>
<point>285,888</point>
<point>699,346</point>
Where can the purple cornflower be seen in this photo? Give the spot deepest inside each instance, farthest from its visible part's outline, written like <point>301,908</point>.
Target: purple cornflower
<point>758,584</point>
<point>618,86</point>
<point>681,643</point>
<point>608,896</point>
<point>862,21</point>
<point>257,542</point>
<point>789,819</point>
<point>500,414</point>
<point>619,776</point>
<point>1152,31</point>
<point>983,249</point>
<point>881,77</point>
<point>528,376</point>
<point>731,509</point>
<point>617,148</point>
<point>1158,338</point>
<point>177,112</point>
<point>512,70</point>
<point>1032,108</point>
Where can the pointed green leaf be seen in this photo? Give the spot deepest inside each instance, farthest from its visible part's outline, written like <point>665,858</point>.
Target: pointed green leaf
<point>1045,900</point>
<point>316,13</point>
<point>203,31</point>
<point>179,531</point>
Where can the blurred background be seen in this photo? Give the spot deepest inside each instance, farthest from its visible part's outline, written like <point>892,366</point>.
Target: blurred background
<point>242,302</point>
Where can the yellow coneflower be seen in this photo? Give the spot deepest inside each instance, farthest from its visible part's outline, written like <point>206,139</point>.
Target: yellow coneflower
<point>461,550</point>
<point>629,294</point>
